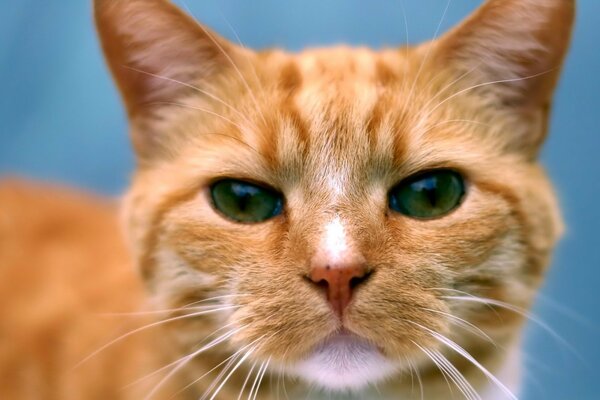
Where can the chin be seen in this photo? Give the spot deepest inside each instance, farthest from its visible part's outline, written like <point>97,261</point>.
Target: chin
<point>345,362</point>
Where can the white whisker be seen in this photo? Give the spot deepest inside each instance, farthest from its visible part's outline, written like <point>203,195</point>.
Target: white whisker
<point>152,325</point>
<point>449,85</point>
<point>466,294</point>
<point>176,361</point>
<point>464,385</point>
<point>160,312</point>
<point>246,380</point>
<point>406,41</point>
<point>442,368</point>
<point>464,323</point>
<point>257,379</point>
<point>221,297</point>
<point>226,361</point>
<point>281,378</point>
<point>231,360</point>
<point>248,353</point>
<point>568,312</point>
<point>185,307</point>
<point>251,393</point>
<point>204,92</point>
<point>206,110</point>
<point>233,64</point>
<point>524,313</point>
<point>183,362</point>
<point>246,54</point>
<point>465,354</point>
<point>482,85</point>
<point>226,368</point>
<point>418,374</point>
<point>425,59</point>
<point>261,378</point>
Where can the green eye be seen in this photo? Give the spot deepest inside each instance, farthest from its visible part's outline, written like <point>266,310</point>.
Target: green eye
<point>428,195</point>
<point>245,202</point>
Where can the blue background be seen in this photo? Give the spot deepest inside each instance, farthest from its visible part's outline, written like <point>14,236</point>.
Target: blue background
<point>61,120</point>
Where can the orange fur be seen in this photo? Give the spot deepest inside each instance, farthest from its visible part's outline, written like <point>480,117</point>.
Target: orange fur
<point>332,129</point>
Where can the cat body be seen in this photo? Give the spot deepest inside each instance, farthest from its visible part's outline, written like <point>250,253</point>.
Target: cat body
<point>335,222</point>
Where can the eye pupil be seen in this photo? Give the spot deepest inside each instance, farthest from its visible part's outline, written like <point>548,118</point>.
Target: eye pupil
<point>244,201</point>
<point>431,195</point>
<point>243,196</point>
<point>428,195</point>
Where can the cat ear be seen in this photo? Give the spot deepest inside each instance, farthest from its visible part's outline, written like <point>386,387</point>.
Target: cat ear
<point>512,51</point>
<point>153,50</point>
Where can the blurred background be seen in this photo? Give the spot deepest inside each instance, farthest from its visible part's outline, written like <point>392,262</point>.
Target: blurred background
<point>61,121</point>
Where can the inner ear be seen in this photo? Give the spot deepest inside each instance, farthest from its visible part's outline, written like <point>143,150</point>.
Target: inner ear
<point>511,52</point>
<point>519,43</point>
<point>156,54</point>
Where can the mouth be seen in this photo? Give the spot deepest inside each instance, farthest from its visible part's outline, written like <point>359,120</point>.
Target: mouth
<point>345,362</point>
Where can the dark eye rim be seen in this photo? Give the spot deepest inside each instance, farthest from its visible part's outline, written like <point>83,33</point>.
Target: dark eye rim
<point>420,175</point>
<point>247,181</point>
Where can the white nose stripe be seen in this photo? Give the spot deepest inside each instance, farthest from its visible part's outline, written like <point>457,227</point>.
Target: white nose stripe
<point>335,243</point>
<point>336,185</point>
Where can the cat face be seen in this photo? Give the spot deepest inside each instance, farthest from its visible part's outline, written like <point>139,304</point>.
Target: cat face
<point>350,209</point>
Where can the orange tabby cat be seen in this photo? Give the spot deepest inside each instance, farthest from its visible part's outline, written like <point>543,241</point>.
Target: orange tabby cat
<point>335,222</point>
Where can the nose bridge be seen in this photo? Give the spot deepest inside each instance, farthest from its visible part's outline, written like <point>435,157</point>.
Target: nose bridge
<point>336,244</point>
<point>337,265</point>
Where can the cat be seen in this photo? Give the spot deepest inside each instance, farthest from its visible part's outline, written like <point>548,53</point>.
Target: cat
<point>338,222</point>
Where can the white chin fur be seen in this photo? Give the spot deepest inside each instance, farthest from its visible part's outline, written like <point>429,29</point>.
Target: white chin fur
<point>345,362</point>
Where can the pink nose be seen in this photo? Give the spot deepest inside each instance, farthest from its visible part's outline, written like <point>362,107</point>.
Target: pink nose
<point>338,281</point>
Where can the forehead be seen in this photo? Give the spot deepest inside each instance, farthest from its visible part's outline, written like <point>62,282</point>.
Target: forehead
<point>335,118</point>
<point>344,113</point>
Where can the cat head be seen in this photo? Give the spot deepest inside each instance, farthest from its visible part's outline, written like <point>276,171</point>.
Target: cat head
<point>342,207</point>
